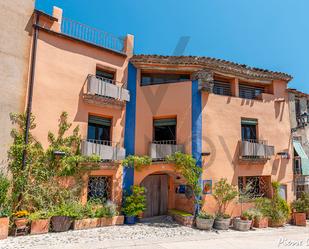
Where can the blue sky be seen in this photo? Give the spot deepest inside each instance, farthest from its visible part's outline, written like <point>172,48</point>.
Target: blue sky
<point>270,34</point>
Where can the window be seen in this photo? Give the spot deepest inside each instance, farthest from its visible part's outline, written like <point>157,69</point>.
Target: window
<point>258,185</point>
<point>164,131</point>
<point>99,129</point>
<point>297,107</point>
<point>222,88</point>
<point>105,75</point>
<point>99,187</point>
<point>161,78</point>
<point>248,129</point>
<point>249,92</point>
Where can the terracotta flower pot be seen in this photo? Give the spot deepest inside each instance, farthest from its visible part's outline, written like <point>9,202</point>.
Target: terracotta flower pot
<point>4,227</point>
<point>39,226</point>
<point>61,223</point>
<point>261,223</point>
<point>85,223</point>
<point>299,219</point>
<point>21,222</point>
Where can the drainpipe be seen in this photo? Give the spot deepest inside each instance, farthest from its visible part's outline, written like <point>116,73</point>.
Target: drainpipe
<point>31,83</point>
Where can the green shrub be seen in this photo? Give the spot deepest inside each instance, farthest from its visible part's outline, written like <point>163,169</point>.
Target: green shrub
<point>38,215</point>
<point>109,209</point>
<point>301,205</point>
<point>204,215</point>
<point>223,193</point>
<point>276,208</point>
<point>71,209</point>
<point>135,203</point>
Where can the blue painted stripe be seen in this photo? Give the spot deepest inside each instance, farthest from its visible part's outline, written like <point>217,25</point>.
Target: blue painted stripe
<point>196,123</point>
<point>129,132</point>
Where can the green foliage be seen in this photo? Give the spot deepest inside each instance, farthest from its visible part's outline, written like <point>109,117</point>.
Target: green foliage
<point>276,209</point>
<point>109,209</point>
<point>300,205</point>
<point>136,162</point>
<point>135,203</point>
<point>179,212</point>
<point>4,187</point>
<point>245,195</point>
<point>186,165</point>
<point>70,209</point>
<point>252,213</point>
<point>39,215</point>
<point>224,193</point>
<point>37,186</point>
<point>204,215</point>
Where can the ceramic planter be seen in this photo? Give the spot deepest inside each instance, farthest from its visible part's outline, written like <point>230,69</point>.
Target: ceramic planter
<point>4,227</point>
<point>204,224</point>
<point>299,219</point>
<point>261,222</point>
<point>21,222</point>
<point>129,220</point>
<point>85,223</point>
<point>242,225</point>
<point>39,226</point>
<point>61,223</point>
<point>222,224</point>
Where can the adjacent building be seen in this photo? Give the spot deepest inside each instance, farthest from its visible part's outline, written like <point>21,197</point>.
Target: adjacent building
<point>15,43</point>
<point>299,111</point>
<point>232,118</point>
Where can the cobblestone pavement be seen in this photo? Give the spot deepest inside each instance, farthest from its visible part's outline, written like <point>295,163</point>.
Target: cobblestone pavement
<point>162,234</point>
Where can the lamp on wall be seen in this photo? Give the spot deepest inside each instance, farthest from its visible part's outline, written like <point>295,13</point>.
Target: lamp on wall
<point>205,153</point>
<point>284,155</point>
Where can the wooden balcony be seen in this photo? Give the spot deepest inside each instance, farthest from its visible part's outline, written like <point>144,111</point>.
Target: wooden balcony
<point>255,150</point>
<point>159,150</point>
<point>103,91</point>
<point>107,150</point>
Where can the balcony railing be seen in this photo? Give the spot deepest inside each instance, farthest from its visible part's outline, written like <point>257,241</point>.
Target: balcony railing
<point>252,149</point>
<point>297,166</point>
<point>91,35</point>
<point>158,150</point>
<point>103,87</point>
<point>106,150</point>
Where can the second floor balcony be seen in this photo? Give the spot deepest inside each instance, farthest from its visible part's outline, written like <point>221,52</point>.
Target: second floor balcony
<point>106,150</point>
<point>159,150</point>
<point>103,91</point>
<point>255,150</point>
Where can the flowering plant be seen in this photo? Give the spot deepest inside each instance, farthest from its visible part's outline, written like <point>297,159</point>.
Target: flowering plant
<point>21,214</point>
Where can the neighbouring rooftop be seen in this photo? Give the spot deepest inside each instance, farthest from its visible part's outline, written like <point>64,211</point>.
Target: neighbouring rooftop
<point>212,64</point>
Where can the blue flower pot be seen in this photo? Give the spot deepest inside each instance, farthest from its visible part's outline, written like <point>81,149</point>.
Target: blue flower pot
<point>129,220</point>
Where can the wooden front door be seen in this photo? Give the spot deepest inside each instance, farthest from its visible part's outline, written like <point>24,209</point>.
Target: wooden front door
<point>157,195</point>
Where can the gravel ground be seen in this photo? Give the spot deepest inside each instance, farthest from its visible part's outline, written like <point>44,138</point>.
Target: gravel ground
<point>158,230</point>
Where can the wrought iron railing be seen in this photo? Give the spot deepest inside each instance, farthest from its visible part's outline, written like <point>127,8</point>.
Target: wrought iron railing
<point>164,142</point>
<point>253,149</point>
<point>101,86</point>
<point>249,92</point>
<point>222,88</point>
<point>92,35</point>
<point>106,150</point>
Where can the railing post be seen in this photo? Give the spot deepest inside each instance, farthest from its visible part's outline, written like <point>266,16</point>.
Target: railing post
<point>128,45</point>
<point>57,13</point>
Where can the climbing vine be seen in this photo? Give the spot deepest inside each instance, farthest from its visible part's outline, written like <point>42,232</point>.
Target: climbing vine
<point>186,165</point>
<point>136,162</point>
<point>38,185</point>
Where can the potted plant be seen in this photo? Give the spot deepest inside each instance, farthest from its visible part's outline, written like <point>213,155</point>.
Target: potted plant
<point>134,204</point>
<point>223,193</point>
<point>4,207</point>
<point>259,220</point>
<point>275,209</point>
<point>204,221</point>
<point>63,215</point>
<point>21,218</point>
<point>39,222</point>
<point>299,208</point>
<point>87,218</point>
<point>244,222</point>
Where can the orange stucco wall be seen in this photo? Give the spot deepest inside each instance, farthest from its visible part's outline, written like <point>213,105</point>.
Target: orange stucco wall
<point>61,71</point>
<point>222,130</point>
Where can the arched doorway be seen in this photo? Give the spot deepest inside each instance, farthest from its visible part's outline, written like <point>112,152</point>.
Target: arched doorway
<point>157,194</point>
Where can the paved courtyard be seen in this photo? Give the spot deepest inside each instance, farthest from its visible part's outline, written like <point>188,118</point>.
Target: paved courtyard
<point>163,234</point>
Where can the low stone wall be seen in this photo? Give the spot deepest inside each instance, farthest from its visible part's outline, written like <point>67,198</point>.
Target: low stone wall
<point>182,219</point>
